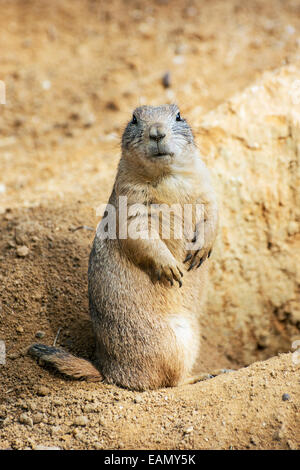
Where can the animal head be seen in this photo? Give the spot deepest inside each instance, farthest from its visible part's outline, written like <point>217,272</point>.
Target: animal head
<point>157,138</point>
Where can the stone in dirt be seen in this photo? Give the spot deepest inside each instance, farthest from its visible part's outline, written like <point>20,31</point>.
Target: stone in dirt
<point>81,421</point>
<point>22,251</point>
<point>2,353</point>
<point>41,447</point>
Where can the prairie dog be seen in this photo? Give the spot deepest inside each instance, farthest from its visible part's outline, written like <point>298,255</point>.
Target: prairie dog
<point>146,294</point>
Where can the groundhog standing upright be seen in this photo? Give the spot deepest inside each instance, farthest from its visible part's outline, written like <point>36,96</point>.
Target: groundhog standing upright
<point>146,274</point>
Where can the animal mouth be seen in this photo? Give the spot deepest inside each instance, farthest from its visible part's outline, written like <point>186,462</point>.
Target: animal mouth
<point>161,154</point>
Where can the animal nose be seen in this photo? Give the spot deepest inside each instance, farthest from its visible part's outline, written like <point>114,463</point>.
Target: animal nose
<point>156,132</point>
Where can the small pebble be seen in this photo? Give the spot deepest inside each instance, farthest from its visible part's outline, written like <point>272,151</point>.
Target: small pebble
<point>2,352</point>
<point>31,405</point>
<point>98,446</point>
<point>138,399</point>
<point>81,421</point>
<point>188,430</point>
<point>20,329</point>
<point>178,59</point>
<point>42,391</point>
<point>40,334</point>
<point>41,447</point>
<point>77,434</point>
<point>292,445</point>
<point>55,430</point>
<point>22,251</point>
<point>37,418</point>
<point>13,356</point>
<point>286,397</point>
<point>88,408</point>
<point>112,106</point>
<point>46,84</point>
<point>166,80</point>
<point>5,422</point>
<point>89,120</point>
<point>25,419</point>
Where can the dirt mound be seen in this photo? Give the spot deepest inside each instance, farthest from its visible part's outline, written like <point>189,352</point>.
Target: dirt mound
<point>255,407</point>
<point>73,73</point>
<point>251,142</point>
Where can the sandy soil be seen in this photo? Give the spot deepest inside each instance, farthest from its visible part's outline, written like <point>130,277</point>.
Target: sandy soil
<point>73,73</point>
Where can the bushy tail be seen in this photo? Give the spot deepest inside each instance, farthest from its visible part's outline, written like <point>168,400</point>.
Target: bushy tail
<point>66,363</point>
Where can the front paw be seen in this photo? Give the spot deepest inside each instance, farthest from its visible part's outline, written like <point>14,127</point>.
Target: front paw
<point>167,273</point>
<point>195,258</point>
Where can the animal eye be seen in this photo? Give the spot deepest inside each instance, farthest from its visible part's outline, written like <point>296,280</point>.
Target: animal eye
<point>134,120</point>
<point>178,117</point>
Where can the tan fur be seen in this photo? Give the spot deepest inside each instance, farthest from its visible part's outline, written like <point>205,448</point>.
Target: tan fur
<point>75,367</point>
<point>146,325</point>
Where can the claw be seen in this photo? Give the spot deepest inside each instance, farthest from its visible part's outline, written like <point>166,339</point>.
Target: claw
<point>209,253</point>
<point>176,278</point>
<point>192,265</point>
<point>196,252</point>
<point>188,257</point>
<point>201,261</point>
